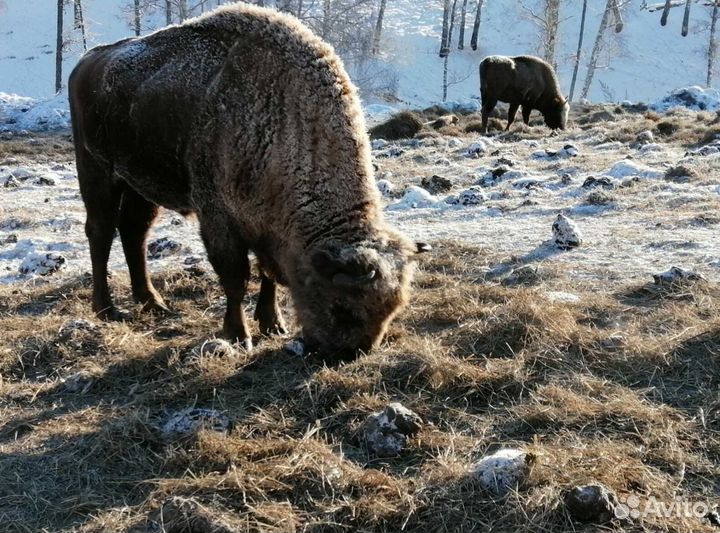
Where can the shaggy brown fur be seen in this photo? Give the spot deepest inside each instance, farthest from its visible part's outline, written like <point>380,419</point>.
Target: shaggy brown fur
<point>247,119</point>
<point>525,81</point>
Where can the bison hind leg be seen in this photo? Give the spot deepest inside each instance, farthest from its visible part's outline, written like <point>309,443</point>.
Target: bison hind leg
<point>101,196</point>
<point>136,218</point>
<point>488,105</point>
<point>267,311</point>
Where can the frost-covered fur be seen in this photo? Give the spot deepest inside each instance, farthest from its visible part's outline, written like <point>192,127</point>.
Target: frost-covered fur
<point>525,81</point>
<point>246,118</point>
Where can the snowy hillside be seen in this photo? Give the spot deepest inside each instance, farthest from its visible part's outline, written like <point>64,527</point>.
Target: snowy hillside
<point>649,60</point>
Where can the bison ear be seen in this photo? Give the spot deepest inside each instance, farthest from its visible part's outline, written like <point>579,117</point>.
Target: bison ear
<point>422,247</point>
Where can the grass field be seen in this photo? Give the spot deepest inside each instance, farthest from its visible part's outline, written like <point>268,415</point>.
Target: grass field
<point>620,386</point>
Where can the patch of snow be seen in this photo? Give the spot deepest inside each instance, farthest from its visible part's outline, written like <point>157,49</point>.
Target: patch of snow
<point>42,264</point>
<point>415,197</point>
<point>694,97</point>
<point>22,113</point>
<point>627,168</point>
<point>502,471</point>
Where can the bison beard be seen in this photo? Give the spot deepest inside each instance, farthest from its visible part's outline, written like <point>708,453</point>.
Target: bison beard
<point>248,120</point>
<point>525,81</point>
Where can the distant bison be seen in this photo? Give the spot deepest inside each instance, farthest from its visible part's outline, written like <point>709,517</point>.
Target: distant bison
<point>525,81</point>
<point>248,120</point>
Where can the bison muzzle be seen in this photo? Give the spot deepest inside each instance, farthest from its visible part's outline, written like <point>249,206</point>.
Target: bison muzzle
<point>246,119</point>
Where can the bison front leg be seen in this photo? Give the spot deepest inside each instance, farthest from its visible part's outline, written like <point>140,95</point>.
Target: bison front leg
<point>512,111</point>
<point>267,312</point>
<point>229,257</point>
<point>136,218</point>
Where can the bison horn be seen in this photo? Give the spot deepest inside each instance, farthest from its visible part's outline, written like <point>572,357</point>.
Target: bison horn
<point>345,280</point>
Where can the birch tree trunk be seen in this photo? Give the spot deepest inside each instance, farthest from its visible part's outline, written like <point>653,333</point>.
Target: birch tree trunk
<point>461,35</point>
<point>712,47</point>
<point>579,50</point>
<point>597,47</point>
<point>378,28</point>
<point>476,26</point>
<point>80,22</point>
<point>137,17</point>
<point>59,47</point>
<point>552,20</point>
<point>444,49</point>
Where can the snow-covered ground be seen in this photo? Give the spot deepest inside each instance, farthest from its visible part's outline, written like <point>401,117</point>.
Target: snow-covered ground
<point>641,64</point>
<point>504,196</point>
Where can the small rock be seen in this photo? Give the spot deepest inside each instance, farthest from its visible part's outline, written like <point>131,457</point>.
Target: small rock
<point>504,161</point>
<point>215,348</point>
<point>295,347</point>
<point>708,149</point>
<point>436,184</point>
<point>502,471</point>
<point>475,150</point>
<point>391,152</point>
<point>676,275</point>
<point>42,264</point>
<point>385,187</point>
<point>45,182</point>
<point>22,174</point>
<point>471,196</point>
<point>79,382</point>
<point>11,182</point>
<point>12,238</point>
<point>454,143</point>
<point>192,260</point>
<point>567,151</point>
<point>566,179</point>
<point>566,234</point>
<point>592,503</point>
<point>378,144</point>
<point>645,137</point>
<point>163,247</point>
<point>386,432</point>
<point>592,182</point>
<point>713,517</point>
<point>189,421</point>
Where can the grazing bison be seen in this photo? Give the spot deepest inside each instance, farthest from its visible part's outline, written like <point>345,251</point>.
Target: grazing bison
<point>246,119</point>
<point>525,81</point>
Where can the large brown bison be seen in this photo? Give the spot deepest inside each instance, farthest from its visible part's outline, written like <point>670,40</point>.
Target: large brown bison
<point>248,120</point>
<point>525,81</point>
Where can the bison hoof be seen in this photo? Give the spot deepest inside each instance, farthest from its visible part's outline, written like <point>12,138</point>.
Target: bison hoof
<point>277,329</point>
<point>246,344</point>
<point>113,314</point>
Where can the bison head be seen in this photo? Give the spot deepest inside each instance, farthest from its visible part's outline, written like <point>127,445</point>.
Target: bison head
<point>347,294</point>
<point>556,116</point>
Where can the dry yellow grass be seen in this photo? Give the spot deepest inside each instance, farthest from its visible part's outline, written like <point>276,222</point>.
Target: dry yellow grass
<point>621,387</point>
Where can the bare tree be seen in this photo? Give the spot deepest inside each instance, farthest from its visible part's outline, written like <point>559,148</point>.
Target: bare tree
<point>712,47</point>
<point>686,19</point>
<point>552,20</point>
<point>378,28</point>
<point>476,25</point>
<point>579,50</point>
<point>80,22</point>
<point>444,48</point>
<point>136,12</point>
<point>597,47</point>
<point>59,46</point>
<point>168,12</point>
<point>461,35</point>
